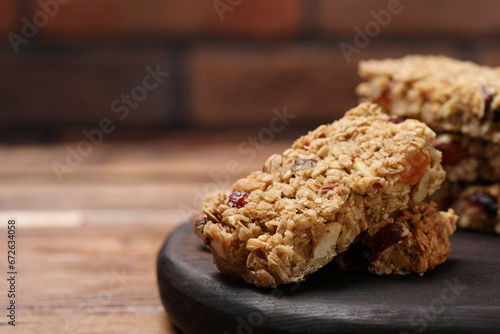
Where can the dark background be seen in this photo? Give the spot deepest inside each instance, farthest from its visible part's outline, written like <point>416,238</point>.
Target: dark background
<point>223,73</point>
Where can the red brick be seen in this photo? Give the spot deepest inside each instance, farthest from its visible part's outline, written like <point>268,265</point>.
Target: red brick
<point>9,16</point>
<point>455,18</point>
<point>261,18</point>
<point>96,18</point>
<point>390,49</point>
<point>241,87</point>
<point>40,89</point>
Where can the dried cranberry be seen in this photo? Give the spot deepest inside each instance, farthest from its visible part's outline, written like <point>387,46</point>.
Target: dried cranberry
<point>452,153</point>
<point>387,236</point>
<point>358,256</point>
<point>238,199</point>
<point>395,120</point>
<point>486,202</point>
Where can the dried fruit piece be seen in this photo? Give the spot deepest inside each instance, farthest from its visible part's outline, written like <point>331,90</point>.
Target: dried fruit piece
<point>395,120</point>
<point>387,236</point>
<point>486,202</point>
<point>358,256</point>
<point>416,163</point>
<point>453,153</point>
<point>238,199</point>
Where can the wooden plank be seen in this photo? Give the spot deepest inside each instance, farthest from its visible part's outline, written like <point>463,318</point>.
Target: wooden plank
<point>89,279</point>
<point>188,157</point>
<point>87,245</point>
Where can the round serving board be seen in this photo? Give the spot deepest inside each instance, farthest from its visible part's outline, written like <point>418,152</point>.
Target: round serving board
<point>459,296</point>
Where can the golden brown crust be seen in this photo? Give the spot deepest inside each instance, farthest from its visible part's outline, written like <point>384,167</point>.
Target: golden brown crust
<point>308,204</point>
<point>446,94</point>
<point>424,243</point>
<point>468,159</point>
<point>478,207</point>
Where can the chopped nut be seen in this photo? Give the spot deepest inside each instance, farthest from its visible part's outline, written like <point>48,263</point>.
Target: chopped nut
<point>421,189</point>
<point>248,185</point>
<point>327,188</point>
<point>325,244</point>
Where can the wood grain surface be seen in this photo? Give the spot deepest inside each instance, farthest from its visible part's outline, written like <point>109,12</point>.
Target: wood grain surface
<point>460,296</point>
<point>87,245</point>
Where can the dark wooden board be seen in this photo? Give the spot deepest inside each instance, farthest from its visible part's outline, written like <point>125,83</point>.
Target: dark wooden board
<point>459,296</point>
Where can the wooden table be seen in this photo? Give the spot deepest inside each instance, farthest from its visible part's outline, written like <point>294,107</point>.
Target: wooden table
<point>87,245</point>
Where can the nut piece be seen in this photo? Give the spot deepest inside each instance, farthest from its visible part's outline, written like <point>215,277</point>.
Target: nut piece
<point>328,240</point>
<point>421,191</point>
<point>248,184</point>
<point>326,188</point>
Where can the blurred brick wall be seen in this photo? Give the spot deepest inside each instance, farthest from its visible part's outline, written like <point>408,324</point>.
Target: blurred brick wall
<point>230,62</point>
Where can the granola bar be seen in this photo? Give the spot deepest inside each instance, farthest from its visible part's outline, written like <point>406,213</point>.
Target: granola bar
<point>476,204</point>
<point>310,203</point>
<point>415,240</point>
<point>469,159</point>
<point>446,94</point>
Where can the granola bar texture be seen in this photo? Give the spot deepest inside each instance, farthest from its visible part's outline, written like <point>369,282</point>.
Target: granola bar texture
<point>417,241</point>
<point>310,203</point>
<point>478,208</point>
<point>446,94</point>
<point>477,205</point>
<point>467,159</point>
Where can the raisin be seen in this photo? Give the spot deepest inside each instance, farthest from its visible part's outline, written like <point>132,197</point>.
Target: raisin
<point>238,199</point>
<point>387,236</point>
<point>358,256</point>
<point>395,120</point>
<point>452,153</point>
<point>417,162</point>
<point>486,202</point>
